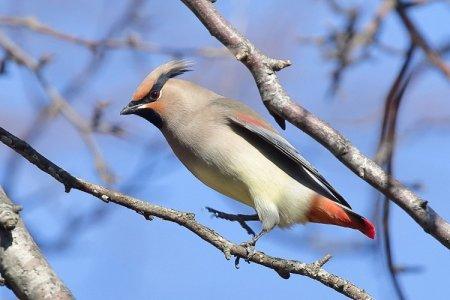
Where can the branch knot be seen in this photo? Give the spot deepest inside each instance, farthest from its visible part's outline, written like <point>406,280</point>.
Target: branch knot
<point>278,64</point>
<point>9,215</point>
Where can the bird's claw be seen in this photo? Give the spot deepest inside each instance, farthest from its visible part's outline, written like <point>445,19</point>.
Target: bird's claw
<point>250,245</point>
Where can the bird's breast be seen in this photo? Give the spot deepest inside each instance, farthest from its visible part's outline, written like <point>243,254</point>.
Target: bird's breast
<point>209,159</point>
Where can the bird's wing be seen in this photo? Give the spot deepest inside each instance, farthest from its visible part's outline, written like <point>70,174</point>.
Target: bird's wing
<point>310,177</point>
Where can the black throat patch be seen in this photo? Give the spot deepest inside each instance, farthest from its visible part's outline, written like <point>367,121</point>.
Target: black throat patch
<point>151,116</point>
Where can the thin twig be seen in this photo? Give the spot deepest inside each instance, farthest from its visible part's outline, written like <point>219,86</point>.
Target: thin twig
<point>59,103</point>
<point>418,39</point>
<point>132,42</point>
<point>350,46</point>
<point>79,82</point>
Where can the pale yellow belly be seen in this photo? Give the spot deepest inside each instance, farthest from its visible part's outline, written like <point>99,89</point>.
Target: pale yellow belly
<point>219,166</point>
<point>224,183</point>
<point>238,170</point>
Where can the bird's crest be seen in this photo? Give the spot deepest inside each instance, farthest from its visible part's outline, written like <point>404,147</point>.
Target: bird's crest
<point>158,77</point>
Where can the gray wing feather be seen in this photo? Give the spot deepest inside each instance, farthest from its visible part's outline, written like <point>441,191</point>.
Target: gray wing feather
<point>321,185</point>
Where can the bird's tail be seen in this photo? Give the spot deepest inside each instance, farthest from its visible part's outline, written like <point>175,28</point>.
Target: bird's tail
<point>326,211</point>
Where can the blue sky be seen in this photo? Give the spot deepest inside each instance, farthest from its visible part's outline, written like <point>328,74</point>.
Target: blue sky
<point>123,256</point>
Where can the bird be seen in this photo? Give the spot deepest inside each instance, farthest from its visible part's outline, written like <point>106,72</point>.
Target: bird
<point>233,150</point>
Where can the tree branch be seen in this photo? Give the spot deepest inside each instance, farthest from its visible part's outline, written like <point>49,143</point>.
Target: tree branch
<point>79,82</point>
<point>24,269</point>
<point>281,266</point>
<point>59,103</point>
<point>385,153</point>
<point>418,39</point>
<point>280,105</point>
<point>131,42</point>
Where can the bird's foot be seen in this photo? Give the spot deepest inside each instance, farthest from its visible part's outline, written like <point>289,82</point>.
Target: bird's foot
<point>250,248</point>
<point>240,218</point>
<point>251,244</point>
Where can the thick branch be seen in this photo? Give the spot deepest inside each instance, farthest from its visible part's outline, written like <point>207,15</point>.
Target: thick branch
<point>187,220</point>
<point>280,104</point>
<point>24,269</point>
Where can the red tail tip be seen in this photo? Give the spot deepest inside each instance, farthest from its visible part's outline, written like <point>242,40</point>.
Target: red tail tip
<point>368,229</point>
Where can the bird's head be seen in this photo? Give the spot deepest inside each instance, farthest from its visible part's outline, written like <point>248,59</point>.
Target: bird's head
<point>160,98</point>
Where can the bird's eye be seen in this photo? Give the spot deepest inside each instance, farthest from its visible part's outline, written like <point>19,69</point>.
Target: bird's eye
<point>154,95</point>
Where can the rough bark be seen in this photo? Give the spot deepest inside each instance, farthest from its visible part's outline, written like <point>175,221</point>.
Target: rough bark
<point>22,266</point>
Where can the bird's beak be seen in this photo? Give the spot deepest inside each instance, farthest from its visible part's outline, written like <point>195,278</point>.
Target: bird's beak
<point>131,108</point>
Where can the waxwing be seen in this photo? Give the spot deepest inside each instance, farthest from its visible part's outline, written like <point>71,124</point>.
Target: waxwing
<point>233,150</point>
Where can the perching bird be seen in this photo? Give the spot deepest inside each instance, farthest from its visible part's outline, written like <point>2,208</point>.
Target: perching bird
<point>231,149</point>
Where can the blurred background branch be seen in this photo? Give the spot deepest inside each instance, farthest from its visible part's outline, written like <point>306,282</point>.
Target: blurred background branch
<point>131,42</point>
<point>385,153</point>
<point>59,104</point>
